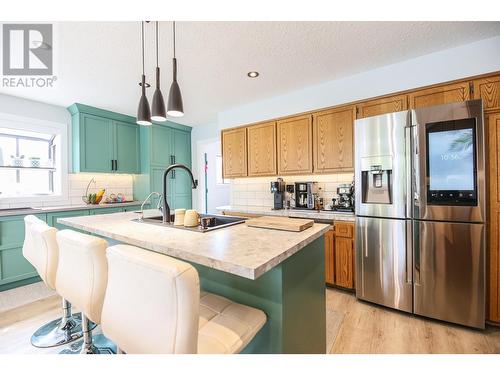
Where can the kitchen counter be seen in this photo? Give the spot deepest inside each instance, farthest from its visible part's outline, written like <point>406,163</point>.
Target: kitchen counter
<point>240,250</point>
<point>75,207</point>
<point>306,214</point>
<point>282,273</point>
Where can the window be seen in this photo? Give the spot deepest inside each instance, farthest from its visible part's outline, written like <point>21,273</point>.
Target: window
<point>31,160</point>
<point>218,171</point>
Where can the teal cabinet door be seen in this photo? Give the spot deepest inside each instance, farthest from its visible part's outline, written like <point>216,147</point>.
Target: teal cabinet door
<point>14,268</point>
<point>161,145</point>
<point>102,211</point>
<point>157,185</point>
<point>182,184</point>
<point>53,216</point>
<point>126,144</point>
<point>96,143</point>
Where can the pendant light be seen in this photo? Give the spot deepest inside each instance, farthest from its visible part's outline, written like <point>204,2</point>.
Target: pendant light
<point>175,107</point>
<point>158,106</point>
<point>143,111</point>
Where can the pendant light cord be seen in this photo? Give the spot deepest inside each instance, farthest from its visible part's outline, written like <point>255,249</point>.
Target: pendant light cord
<point>174,38</point>
<point>142,29</point>
<point>157,37</point>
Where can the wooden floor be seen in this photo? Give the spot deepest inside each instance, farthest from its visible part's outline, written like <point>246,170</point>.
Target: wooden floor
<point>365,328</point>
<point>368,328</point>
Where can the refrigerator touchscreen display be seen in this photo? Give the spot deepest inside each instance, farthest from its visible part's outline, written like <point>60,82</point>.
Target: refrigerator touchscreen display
<point>451,164</point>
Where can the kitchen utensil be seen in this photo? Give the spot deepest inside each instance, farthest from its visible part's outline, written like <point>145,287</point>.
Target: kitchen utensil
<point>191,218</point>
<point>206,222</point>
<point>179,215</point>
<point>280,223</point>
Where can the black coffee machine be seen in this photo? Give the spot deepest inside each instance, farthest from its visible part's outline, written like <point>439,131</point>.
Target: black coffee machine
<point>345,201</point>
<point>278,189</point>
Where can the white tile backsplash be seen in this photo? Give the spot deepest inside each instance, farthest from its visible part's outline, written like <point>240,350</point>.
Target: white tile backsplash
<point>113,183</point>
<point>255,191</point>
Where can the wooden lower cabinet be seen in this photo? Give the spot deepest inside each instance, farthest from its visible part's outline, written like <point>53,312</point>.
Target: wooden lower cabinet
<point>330,257</point>
<point>339,255</point>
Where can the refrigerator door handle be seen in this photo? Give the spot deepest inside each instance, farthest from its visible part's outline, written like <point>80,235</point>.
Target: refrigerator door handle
<point>408,158</point>
<point>414,169</point>
<point>416,252</point>
<point>408,255</point>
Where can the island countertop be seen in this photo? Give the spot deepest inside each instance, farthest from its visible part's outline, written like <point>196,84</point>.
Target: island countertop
<point>239,250</point>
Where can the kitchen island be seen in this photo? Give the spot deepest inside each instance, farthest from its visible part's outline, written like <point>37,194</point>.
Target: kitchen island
<point>281,273</point>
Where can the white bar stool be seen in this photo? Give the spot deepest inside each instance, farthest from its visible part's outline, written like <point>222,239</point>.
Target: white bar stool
<point>40,249</point>
<point>147,289</point>
<point>82,276</point>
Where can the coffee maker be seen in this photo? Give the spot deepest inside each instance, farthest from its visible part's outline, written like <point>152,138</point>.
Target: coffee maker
<point>305,193</point>
<point>345,201</point>
<point>278,189</point>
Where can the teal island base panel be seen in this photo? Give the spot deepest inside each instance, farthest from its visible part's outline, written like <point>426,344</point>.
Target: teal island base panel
<point>292,295</point>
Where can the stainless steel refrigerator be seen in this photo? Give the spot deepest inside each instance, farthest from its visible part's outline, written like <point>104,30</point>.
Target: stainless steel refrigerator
<point>420,211</point>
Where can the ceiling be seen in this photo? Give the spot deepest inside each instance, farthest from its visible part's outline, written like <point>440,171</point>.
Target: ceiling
<point>99,63</point>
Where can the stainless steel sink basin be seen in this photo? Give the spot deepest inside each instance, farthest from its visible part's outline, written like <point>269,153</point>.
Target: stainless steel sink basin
<point>220,221</point>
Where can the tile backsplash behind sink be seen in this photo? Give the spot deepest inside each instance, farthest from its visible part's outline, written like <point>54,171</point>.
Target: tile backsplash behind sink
<point>113,183</point>
<point>255,191</point>
<point>77,184</point>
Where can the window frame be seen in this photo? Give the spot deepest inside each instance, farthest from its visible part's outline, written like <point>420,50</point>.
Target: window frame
<point>36,125</point>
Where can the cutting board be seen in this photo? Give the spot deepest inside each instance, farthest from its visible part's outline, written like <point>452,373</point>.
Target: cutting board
<point>280,223</point>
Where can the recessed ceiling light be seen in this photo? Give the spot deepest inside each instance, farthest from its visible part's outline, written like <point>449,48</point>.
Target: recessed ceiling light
<point>253,74</point>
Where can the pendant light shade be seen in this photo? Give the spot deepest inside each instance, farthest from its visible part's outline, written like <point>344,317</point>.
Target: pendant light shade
<point>143,111</point>
<point>158,112</point>
<point>175,107</point>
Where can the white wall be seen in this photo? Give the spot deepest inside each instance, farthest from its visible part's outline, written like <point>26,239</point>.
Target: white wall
<point>455,63</point>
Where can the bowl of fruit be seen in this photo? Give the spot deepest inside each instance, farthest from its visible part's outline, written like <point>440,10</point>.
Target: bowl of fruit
<point>94,198</point>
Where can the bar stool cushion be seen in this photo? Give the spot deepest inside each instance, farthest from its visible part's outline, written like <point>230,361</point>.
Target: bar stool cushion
<point>225,326</point>
<point>82,273</point>
<point>151,303</point>
<point>43,253</point>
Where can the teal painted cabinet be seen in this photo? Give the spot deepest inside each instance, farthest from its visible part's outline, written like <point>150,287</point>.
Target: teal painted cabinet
<point>126,147</point>
<point>15,270</point>
<point>104,141</point>
<point>53,216</point>
<point>161,146</point>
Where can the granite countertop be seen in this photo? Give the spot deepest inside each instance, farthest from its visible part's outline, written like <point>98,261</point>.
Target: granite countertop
<point>238,249</point>
<point>74,207</point>
<point>307,214</point>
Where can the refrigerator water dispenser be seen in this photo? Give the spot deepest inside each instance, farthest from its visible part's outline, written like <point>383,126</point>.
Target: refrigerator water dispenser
<point>376,179</point>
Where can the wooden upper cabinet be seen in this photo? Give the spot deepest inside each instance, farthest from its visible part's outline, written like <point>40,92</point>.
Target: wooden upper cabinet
<point>456,92</point>
<point>295,145</point>
<point>262,149</point>
<point>234,152</point>
<point>489,90</point>
<point>384,105</point>
<point>333,140</point>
